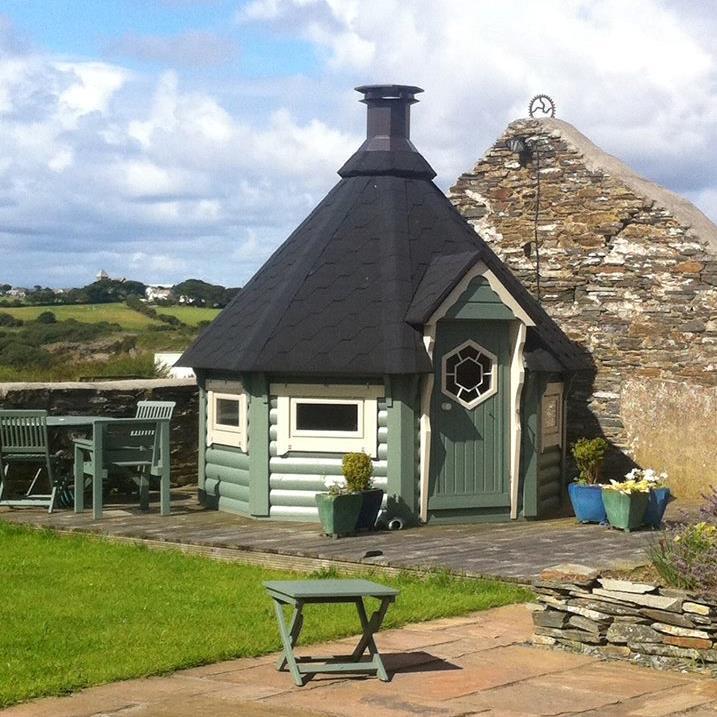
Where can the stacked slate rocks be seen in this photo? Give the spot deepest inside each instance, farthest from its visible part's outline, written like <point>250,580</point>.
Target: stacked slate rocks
<point>656,626</point>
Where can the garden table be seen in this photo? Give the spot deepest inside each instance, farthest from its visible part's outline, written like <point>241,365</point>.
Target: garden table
<point>298,593</point>
<point>73,421</point>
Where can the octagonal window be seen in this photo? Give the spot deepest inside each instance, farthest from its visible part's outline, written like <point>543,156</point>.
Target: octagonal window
<point>469,374</point>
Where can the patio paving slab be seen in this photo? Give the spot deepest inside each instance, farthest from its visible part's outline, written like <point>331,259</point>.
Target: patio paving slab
<point>513,679</point>
<point>513,551</point>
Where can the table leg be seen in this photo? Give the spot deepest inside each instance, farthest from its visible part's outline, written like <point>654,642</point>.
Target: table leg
<point>79,475</point>
<point>97,487</point>
<point>287,644</point>
<point>297,622</point>
<point>369,627</point>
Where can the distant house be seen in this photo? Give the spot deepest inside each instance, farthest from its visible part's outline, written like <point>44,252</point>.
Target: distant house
<point>158,292</point>
<point>17,293</point>
<point>384,324</point>
<point>102,275</point>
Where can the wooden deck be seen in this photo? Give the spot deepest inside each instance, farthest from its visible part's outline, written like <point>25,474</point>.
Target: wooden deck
<point>512,551</point>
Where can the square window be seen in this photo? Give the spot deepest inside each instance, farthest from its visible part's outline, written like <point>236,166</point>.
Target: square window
<point>227,412</point>
<point>226,418</point>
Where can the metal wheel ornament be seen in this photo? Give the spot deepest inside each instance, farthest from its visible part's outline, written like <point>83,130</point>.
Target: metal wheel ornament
<point>541,106</point>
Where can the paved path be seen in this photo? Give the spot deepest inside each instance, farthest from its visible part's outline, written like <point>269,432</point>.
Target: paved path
<point>517,550</point>
<point>475,665</point>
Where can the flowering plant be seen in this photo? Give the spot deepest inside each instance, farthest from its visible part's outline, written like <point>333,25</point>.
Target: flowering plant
<point>655,479</point>
<point>628,487</point>
<point>336,485</point>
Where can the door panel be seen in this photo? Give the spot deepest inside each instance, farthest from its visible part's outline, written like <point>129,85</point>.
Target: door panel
<point>470,416</point>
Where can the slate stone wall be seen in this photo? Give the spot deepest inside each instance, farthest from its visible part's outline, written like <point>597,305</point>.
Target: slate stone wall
<point>117,399</point>
<point>640,622</point>
<point>621,275</point>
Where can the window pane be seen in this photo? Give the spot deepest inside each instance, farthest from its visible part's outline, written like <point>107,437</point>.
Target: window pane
<point>227,411</point>
<point>327,417</point>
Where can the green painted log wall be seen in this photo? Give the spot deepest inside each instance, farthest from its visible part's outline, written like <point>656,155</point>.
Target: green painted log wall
<point>296,477</point>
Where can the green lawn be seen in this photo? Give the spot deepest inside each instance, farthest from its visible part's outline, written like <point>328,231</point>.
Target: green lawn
<point>78,610</point>
<point>190,315</point>
<point>88,313</point>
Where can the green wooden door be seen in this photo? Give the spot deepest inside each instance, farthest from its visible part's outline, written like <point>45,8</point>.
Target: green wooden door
<point>470,416</point>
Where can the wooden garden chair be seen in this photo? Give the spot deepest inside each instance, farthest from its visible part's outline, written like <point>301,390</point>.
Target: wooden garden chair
<point>124,443</point>
<point>23,439</point>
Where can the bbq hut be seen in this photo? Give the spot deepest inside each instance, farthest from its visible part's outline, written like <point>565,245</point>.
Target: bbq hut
<point>384,324</point>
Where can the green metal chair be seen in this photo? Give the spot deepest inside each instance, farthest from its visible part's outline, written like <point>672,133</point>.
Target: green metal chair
<point>120,444</point>
<point>23,439</point>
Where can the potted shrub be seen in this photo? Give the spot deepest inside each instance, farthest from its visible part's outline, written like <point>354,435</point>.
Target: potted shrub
<point>625,503</point>
<point>358,472</point>
<point>338,509</point>
<point>585,492</point>
<point>659,495</point>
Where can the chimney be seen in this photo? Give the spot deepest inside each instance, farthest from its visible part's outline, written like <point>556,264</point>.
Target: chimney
<point>388,120</point>
<point>387,149</point>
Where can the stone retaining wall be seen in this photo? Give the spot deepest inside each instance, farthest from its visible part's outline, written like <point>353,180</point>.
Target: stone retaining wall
<point>660,627</point>
<point>118,398</point>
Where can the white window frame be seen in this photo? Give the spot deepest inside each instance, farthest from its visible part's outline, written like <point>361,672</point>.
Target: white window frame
<point>493,374</point>
<point>296,432</point>
<point>223,434</point>
<point>552,435</point>
<point>288,438</point>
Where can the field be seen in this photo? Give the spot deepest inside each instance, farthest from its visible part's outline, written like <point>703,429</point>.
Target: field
<point>113,313</point>
<point>190,315</point>
<point>101,611</point>
<point>111,340</point>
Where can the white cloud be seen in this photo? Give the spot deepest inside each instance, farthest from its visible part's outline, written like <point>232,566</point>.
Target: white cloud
<point>100,164</point>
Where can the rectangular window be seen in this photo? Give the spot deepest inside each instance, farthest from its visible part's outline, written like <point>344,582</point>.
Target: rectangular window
<point>551,417</point>
<point>326,418</point>
<point>226,418</point>
<point>316,417</point>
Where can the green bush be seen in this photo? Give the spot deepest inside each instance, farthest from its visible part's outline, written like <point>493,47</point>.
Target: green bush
<point>589,454</point>
<point>20,355</point>
<point>46,317</point>
<point>357,469</point>
<point>9,320</point>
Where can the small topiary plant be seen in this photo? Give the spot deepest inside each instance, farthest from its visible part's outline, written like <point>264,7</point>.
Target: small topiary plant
<point>589,454</point>
<point>357,469</point>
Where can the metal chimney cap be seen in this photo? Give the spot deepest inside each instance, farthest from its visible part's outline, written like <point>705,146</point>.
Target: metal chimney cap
<point>389,92</point>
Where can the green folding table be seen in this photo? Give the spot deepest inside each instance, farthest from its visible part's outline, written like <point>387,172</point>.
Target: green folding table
<point>298,593</point>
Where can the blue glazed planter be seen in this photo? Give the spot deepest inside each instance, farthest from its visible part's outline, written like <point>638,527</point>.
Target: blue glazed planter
<point>659,499</point>
<point>587,503</point>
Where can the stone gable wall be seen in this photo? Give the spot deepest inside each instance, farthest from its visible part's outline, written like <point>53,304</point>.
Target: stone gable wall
<point>623,278</point>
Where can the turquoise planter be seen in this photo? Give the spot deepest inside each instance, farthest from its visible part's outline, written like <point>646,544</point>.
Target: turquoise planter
<point>338,513</point>
<point>626,512</point>
<point>587,503</point>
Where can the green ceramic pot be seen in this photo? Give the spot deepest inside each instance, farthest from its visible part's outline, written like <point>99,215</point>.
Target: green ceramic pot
<point>625,512</point>
<point>338,513</point>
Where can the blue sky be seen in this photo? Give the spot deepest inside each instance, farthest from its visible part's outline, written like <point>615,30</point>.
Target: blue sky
<point>175,138</point>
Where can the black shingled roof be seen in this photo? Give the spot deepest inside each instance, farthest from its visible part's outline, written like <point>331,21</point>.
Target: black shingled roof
<point>339,296</point>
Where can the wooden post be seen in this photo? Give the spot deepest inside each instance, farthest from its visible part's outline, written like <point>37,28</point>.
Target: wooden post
<point>402,396</point>
<point>258,444</point>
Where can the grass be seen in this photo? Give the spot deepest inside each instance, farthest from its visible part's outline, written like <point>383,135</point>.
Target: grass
<point>190,315</point>
<point>141,365</point>
<point>78,610</point>
<point>87,313</point>
<point>114,313</point>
